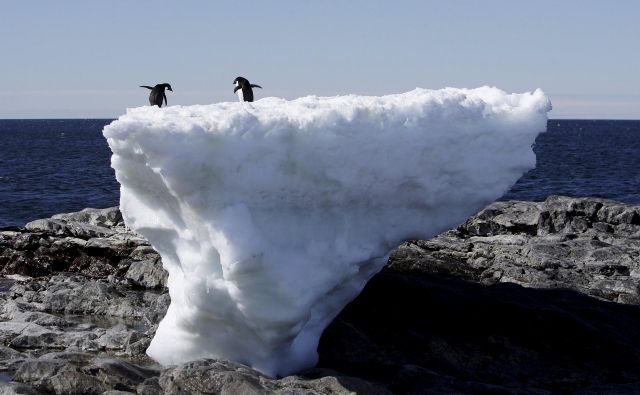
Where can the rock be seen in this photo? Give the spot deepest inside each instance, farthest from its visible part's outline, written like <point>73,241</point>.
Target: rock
<point>118,374</point>
<point>108,247</point>
<point>516,299</point>
<point>92,242</point>
<point>519,298</point>
<point>435,332</point>
<point>211,376</point>
<point>15,312</point>
<point>586,244</point>
<point>27,335</point>
<point>148,274</point>
<point>149,387</point>
<point>76,229</point>
<point>79,373</point>
<point>107,217</point>
<point>74,295</point>
<point>8,353</point>
<point>10,359</point>
<point>82,373</point>
<point>144,252</point>
<point>119,337</point>
<point>99,316</point>
<point>17,389</point>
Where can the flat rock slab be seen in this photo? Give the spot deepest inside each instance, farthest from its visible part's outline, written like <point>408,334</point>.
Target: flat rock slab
<point>589,245</point>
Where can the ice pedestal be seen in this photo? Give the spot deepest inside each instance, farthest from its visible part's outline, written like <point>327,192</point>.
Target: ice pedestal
<point>271,216</point>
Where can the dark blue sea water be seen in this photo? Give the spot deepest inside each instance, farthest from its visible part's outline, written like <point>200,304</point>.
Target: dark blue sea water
<point>54,166</point>
<point>584,158</point>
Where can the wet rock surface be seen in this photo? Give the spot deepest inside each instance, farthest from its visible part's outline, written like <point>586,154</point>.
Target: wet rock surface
<point>524,297</point>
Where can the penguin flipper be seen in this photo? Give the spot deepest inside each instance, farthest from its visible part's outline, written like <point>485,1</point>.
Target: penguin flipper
<point>165,99</point>
<point>236,89</point>
<point>144,86</point>
<point>256,86</point>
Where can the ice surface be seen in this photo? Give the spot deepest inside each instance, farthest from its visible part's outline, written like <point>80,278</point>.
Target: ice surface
<point>271,216</point>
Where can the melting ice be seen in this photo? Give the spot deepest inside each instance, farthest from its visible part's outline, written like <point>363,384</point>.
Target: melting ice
<point>271,216</point>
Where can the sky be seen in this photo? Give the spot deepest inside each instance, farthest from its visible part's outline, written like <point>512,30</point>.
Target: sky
<point>86,59</point>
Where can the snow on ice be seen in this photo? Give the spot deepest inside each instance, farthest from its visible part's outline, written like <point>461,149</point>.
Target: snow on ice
<point>271,216</point>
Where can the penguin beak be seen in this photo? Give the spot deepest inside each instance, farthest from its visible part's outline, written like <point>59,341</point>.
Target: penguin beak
<point>170,89</point>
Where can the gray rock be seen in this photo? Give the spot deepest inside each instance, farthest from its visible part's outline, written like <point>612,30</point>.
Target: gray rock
<point>108,246</point>
<point>422,325</point>
<point>41,319</point>
<point>82,373</point>
<point>26,335</point>
<point>106,217</point>
<point>79,373</point>
<point>62,227</point>
<point>9,353</point>
<point>147,273</point>
<point>118,374</point>
<point>144,252</point>
<point>10,359</point>
<point>99,316</point>
<point>37,373</point>
<point>118,338</point>
<point>12,388</point>
<point>149,387</point>
<point>586,244</point>
<point>224,377</point>
<point>78,295</point>
<point>92,242</point>
<point>74,295</point>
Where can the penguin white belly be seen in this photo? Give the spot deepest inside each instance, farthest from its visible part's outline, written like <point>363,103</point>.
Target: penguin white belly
<point>240,96</point>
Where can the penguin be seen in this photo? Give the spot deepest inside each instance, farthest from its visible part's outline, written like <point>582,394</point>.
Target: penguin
<point>157,94</point>
<point>243,87</point>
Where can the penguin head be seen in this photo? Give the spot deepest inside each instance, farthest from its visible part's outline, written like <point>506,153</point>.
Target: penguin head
<point>168,86</point>
<point>240,81</point>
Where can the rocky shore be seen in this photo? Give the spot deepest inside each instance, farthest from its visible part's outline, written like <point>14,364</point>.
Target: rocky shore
<point>524,297</point>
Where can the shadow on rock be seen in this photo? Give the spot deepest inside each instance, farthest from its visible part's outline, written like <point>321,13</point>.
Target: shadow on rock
<point>433,333</point>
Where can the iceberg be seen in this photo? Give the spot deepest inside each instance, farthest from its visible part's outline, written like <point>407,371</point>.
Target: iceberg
<point>271,216</point>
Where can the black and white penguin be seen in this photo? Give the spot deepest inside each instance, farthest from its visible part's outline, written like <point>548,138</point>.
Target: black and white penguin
<point>157,94</point>
<point>244,88</point>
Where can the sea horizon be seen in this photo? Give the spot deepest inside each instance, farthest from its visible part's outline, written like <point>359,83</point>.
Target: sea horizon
<point>108,118</point>
<point>69,165</point>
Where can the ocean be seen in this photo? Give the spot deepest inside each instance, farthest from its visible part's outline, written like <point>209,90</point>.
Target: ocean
<point>63,165</point>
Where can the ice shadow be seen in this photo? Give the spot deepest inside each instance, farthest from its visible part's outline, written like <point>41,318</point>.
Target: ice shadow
<point>434,333</point>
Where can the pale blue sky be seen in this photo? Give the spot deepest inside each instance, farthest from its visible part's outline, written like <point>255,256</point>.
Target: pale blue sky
<point>84,59</point>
